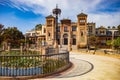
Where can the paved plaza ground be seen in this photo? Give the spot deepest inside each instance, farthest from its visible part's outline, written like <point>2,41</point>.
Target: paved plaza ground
<point>89,67</point>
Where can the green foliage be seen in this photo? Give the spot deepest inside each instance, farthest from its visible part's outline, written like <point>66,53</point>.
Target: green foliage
<point>109,42</point>
<point>12,53</point>
<point>117,42</point>
<point>1,31</point>
<point>18,61</point>
<point>113,27</point>
<point>38,27</point>
<point>93,41</point>
<point>118,28</point>
<point>53,65</point>
<point>12,35</point>
<point>22,62</point>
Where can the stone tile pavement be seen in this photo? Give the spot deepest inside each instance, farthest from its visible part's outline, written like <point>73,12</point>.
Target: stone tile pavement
<point>89,67</point>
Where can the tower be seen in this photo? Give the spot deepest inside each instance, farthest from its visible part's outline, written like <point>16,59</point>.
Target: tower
<point>50,29</point>
<point>82,30</point>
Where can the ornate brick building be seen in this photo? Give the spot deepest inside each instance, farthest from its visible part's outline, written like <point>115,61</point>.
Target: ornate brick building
<point>70,34</point>
<point>104,34</point>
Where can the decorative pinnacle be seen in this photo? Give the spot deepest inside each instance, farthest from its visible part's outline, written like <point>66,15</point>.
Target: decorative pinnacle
<point>81,10</point>
<point>56,5</point>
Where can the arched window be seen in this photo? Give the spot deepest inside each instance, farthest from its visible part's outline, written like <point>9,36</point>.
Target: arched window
<point>74,36</point>
<point>65,29</point>
<point>109,33</point>
<point>65,35</point>
<point>81,33</point>
<point>49,34</point>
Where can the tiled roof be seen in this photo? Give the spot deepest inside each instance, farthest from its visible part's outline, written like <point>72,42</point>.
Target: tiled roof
<point>82,14</point>
<point>50,16</point>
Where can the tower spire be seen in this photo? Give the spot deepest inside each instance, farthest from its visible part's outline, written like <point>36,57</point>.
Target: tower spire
<point>56,5</point>
<point>82,11</point>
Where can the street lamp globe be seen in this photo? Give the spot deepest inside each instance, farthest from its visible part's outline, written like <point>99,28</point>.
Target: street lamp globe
<point>56,11</point>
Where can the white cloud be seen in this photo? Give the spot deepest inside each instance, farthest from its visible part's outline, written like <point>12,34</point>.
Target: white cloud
<point>70,8</point>
<point>45,6</point>
<point>104,19</point>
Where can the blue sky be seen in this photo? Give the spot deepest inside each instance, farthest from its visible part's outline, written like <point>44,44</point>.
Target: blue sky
<point>25,14</point>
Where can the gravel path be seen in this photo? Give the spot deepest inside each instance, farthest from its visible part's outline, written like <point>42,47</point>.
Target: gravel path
<point>90,67</point>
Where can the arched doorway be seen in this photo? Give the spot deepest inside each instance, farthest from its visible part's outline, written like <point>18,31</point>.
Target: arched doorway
<point>65,36</point>
<point>74,39</point>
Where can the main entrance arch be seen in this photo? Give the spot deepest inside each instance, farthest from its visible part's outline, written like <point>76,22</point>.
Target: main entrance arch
<point>65,38</point>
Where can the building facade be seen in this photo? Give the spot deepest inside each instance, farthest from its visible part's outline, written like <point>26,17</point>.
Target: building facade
<point>104,34</point>
<point>71,34</point>
<point>68,33</point>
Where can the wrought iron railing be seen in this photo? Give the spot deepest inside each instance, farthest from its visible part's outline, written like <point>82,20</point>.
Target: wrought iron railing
<point>30,65</point>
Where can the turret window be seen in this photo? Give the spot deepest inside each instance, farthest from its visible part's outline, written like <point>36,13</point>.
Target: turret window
<point>81,33</point>
<point>82,20</point>
<point>49,34</point>
<point>65,29</point>
<point>49,23</point>
<point>73,28</point>
<point>44,30</point>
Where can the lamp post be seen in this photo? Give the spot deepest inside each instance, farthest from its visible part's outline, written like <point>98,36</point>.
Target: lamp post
<point>56,13</point>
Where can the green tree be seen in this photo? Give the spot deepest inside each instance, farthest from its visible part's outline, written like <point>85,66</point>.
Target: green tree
<point>116,43</point>
<point>1,28</point>
<point>12,35</point>
<point>1,32</point>
<point>38,27</point>
<point>118,28</point>
<point>108,27</point>
<point>109,42</point>
<point>93,43</point>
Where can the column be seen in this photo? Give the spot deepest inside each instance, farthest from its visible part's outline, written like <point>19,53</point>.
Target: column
<point>21,48</point>
<point>9,46</point>
<point>69,40</point>
<point>61,40</point>
<point>78,37</point>
<point>3,47</point>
